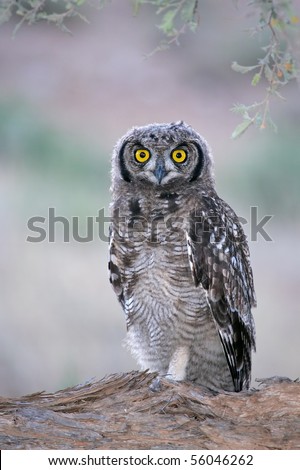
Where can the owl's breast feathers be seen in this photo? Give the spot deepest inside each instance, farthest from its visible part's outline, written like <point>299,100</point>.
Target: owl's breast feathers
<point>140,227</point>
<point>216,258</point>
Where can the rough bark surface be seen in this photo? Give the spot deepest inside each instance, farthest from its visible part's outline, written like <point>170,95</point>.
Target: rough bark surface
<point>124,412</point>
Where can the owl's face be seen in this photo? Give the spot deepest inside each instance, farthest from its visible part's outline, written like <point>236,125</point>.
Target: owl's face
<point>163,155</point>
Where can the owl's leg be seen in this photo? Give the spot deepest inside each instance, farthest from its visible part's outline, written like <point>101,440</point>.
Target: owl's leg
<point>178,363</point>
<point>177,368</point>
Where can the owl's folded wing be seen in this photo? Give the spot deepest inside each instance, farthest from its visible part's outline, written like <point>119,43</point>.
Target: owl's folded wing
<point>219,261</point>
<point>119,262</point>
<point>114,272</point>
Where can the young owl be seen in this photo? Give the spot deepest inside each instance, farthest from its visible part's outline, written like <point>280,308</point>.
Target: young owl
<point>179,260</point>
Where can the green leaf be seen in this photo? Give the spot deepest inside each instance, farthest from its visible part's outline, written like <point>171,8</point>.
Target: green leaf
<point>167,24</point>
<point>188,11</point>
<point>256,79</point>
<point>240,108</point>
<point>241,128</point>
<point>242,68</point>
<point>193,25</point>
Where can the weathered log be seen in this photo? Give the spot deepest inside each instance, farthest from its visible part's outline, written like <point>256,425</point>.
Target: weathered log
<point>123,412</point>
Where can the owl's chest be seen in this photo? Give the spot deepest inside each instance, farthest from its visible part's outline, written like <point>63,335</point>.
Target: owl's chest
<point>156,221</point>
<point>160,282</point>
<point>153,260</point>
<point>159,263</point>
<point>153,244</point>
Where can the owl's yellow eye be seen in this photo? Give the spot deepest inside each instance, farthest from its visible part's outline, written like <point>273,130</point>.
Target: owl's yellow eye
<point>142,155</point>
<point>179,155</point>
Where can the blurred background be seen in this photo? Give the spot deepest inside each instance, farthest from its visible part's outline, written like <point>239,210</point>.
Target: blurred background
<point>64,101</point>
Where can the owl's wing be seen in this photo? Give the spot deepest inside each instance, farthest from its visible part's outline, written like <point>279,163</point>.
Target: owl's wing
<point>121,274</point>
<point>114,271</point>
<point>219,261</point>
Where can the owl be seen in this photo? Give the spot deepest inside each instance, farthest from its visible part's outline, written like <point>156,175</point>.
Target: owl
<point>179,260</point>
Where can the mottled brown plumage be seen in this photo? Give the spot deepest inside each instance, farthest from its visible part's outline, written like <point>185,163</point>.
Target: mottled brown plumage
<point>179,260</point>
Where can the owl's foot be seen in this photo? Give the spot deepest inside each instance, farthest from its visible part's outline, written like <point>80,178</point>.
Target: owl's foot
<point>155,385</point>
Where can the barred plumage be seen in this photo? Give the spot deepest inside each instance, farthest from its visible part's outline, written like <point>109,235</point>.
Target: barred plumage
<point>179,260</point>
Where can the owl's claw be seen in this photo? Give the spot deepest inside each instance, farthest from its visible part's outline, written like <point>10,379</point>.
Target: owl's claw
<point>155,385</point>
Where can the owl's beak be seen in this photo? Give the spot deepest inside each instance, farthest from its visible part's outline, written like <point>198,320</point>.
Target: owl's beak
<point>160,170</point>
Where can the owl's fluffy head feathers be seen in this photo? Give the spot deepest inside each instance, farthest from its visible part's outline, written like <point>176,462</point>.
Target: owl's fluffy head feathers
<point>163,155</point>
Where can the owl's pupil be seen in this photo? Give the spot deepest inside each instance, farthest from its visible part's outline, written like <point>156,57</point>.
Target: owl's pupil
<point>178,154</point>
<point>142,154</point>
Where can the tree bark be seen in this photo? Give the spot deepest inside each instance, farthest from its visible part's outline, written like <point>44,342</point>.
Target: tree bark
<point>137,411</point>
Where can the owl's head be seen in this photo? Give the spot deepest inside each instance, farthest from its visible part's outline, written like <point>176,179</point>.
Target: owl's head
<point>163,155</point>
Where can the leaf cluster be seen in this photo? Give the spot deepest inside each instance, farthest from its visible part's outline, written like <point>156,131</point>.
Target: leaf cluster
<point>277,66</point>
<point>32,11</point>
<point>176,16</point>
<point>277,24</point>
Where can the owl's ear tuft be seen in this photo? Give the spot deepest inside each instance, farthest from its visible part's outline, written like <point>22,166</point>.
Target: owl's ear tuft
<point>174,125</point>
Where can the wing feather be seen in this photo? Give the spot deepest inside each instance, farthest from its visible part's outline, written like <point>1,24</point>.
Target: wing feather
<point>219,260</point>
<point>114,271</point>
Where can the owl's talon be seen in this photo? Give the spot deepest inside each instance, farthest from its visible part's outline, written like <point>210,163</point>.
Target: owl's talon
<point>155,385</point>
